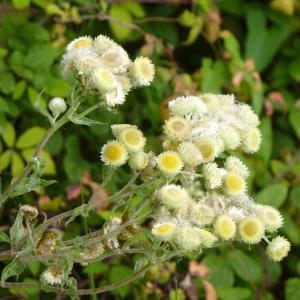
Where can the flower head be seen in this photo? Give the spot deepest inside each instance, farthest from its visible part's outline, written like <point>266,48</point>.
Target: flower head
<point>173,196</point>
<point>270,216</point>
<point>251,230</point>
<point>142,71</point>
<point>251,140</point>
<point>188,237</point>
<point>278,248</point>
<point>188,105</point>
<point>138,160</point>
<point>236,166</point>
<point>225,227</point>
<point>234,184</point>
<point>190,154</point>
<point>207,238</point>
<point>133,139</point>
<point>177,128</point>
<point>81,42</point>
<point>164,230</point>
<point>201,213</point>
<point>170,163</point>
<point>208,148</point>
<point>53,275</point>
<point>104,80</point>
<point>212,175</point>
<point>114,154</point>
<point>29,212</point>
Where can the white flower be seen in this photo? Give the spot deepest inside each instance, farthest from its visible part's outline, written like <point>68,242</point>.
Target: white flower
<point>114,153</point>
<point>190,154</point>
<point>164,230</point>
<point>104,80</point>
<point>251,230</point>
<point>251,140</point>
<point>201,213</point>
<point>188,237</point>
<point>225,227</point>
<point>115,97</point>
<point>103,43</point>
<point>115,59</point>
<point>231,137</point>
<point>234,184</point>
<point>278,248</point>
<point>213,175</point>
<point>142,71</point>
<point>177,128</point>
<point>188,105</point>
<point>173,196</point>
<point>207,238</point>
<point>53,275</point>
<point>270,216</point>
<point>81,42</point>
<point>236,166</point>
<point>133,139</point>
<point>170,163</point>
<point>138,160</point>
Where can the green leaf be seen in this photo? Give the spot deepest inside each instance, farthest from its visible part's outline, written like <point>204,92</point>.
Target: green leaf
<point>294,69</point>
<point>84,121</point>
<point>244,266</point>
<point>4,237</point>
<point>261,34</point>
<point>294,119</point>
<point>17,231</point>
<point>9,135</point>
<point>17,165</point>
<point>233,293</point>
<point>215,264</point>
<point>5,159</point>
<point>7,82</point>
<point>291,289</point>
<point>187,18</point>
<point>34,267</point>
<point>212,75</point>
<point>117,273</point>
<point>19,90</point>
<point>20,4</point>
<point>119,12</point>
<point>34,96</point>
<point>290,229</point>
<point>58,88</point>
<point>295,196</point>
<point>14,268</point>
<point>265,150</point>
<point>31,137</point>
<point>274,195</point>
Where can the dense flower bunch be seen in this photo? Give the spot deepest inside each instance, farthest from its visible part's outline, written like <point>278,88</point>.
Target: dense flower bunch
<point>105,68</point>
<point>204,200</point>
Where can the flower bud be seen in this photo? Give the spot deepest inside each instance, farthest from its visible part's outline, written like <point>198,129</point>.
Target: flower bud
<point>29,212</point>
<point>57,105</point>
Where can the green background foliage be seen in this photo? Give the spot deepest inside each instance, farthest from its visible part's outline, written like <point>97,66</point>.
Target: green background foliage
<point>249,48</point>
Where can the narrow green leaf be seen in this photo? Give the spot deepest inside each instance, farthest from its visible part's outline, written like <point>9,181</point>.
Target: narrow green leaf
<point>274,195</point>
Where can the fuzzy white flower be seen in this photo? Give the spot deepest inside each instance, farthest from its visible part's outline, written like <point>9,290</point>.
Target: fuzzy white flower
<point>270,216</point>
<point>231,137</point>
<point>173,196</point>
<point>188,237</point>
<point>133,139</point>
<point>115,97</point>
<point>170,163</point>
<point>278,248</point>
<point>190,154</point>
<point>201,213</point>
<point>236,213</point>
<point>248,115</point>
<point>234,184</point>
<point>188,105</point>
<point>207,238</point>
<point>251,140</point>
<point>115,59</point>
<point>251,230</point>
<point>164,230</point>
<point>236,166</point>
<point>53,275</point>
<point>213,175</point>
<point>142,71</point>
<point>103,43</point>
<point>177,128</point>
<point>92,251</point>
<point>225,227</point>
<point>114,153</point>
<point>138,160</point>
<point>118,128</point>
<point>81,42</point>
<point>211,101</point>
<point>104,80</point>
<point>208,147</point>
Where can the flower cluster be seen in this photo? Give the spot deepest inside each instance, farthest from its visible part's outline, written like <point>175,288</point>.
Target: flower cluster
<point>105,68</point>
<point>203,201</point>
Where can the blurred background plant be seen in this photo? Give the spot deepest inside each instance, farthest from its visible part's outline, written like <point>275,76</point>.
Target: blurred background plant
<point>247,48</point>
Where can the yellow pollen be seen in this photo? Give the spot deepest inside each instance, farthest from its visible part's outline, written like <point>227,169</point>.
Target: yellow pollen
<point>234,183</point>
<point>250,228</point>
<point>132,136</point>
<point>82,43</point>
<point>206,151</point>
<point>171,162</point>
<point>164,229</point>
<point>113,152</point>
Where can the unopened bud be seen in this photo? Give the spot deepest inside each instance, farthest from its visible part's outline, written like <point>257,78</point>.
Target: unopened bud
<point>29,212</point>
<point>57,105</point>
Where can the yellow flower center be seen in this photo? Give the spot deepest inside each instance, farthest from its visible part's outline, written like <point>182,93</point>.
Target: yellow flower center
<point>132,136</point>
<point>114,152</point>
<point>234,183</point>
<point>163,229</point>
<point>250,228</point>
<point>170,162</point>
<point>82,43</point>
<point>206,151</point>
